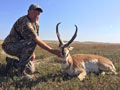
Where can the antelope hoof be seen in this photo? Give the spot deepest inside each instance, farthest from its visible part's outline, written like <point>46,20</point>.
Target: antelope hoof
<point>115,73</point>
<point>81,78</point>
<point>103,73</point>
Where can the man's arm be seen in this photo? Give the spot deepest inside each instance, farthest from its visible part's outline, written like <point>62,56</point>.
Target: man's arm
<point>46,47</point>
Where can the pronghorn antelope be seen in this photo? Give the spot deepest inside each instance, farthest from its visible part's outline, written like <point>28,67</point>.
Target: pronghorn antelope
<point>82,64</point>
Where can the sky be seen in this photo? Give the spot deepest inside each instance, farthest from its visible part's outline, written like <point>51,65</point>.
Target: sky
<point>97,20</point>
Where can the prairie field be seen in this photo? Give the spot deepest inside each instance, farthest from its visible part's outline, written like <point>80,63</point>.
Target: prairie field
<point>49,75</point>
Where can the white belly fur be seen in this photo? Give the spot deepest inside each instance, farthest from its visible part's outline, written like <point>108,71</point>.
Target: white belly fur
<point>91,66</point>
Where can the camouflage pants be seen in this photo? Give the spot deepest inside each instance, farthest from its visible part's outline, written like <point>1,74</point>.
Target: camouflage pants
<point>22,49</point>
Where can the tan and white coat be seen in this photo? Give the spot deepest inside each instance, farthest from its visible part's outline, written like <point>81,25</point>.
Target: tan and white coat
<point>83,64</point>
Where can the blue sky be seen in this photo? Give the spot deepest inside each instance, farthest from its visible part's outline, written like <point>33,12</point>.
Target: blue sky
<point>97,20</point>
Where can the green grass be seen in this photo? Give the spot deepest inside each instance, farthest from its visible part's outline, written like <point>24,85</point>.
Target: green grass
<point>49,75</point>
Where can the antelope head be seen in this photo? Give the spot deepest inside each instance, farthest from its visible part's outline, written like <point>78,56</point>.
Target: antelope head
<point>65,47</point>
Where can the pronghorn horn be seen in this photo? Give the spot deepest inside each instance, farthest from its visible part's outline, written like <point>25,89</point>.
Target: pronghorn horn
<point>58,35</point>
<point>72,39</point>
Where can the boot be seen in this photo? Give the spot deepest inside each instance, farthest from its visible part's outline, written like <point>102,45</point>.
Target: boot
<point>30,67</point>
<point>22,72</point>
<point>11,62</point>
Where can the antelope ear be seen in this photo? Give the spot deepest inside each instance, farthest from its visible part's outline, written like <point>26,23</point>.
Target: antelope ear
<point>71,48</point>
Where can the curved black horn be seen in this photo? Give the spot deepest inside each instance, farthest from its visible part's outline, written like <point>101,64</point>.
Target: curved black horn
<point>72,39</point>
<point>58,35</point>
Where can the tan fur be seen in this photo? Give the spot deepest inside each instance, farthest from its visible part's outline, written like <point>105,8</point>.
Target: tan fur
<point>81,64</point>
<point>77,60</point>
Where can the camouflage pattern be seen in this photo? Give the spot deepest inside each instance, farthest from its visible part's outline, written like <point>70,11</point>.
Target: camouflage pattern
<point>20,41</point>
<point>22,29</point>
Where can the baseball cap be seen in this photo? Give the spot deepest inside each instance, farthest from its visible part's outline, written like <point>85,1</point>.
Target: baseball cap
<point>35,7</point>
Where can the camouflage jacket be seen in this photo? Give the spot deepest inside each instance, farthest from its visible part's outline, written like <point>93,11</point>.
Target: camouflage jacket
<point>22,29</point>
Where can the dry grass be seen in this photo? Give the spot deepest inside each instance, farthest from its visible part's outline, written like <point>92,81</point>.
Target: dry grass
<point>49,75</point>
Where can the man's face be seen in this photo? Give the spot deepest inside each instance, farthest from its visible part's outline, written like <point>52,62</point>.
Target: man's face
<point>34,15</point>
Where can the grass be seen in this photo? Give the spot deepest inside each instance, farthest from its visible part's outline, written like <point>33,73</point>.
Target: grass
<point>49,75</point>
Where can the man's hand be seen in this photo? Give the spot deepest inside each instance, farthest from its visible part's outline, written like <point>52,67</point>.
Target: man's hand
<point>56,52</point>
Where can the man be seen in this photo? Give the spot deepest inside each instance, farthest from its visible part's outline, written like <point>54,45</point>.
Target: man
<point>23,39</point>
